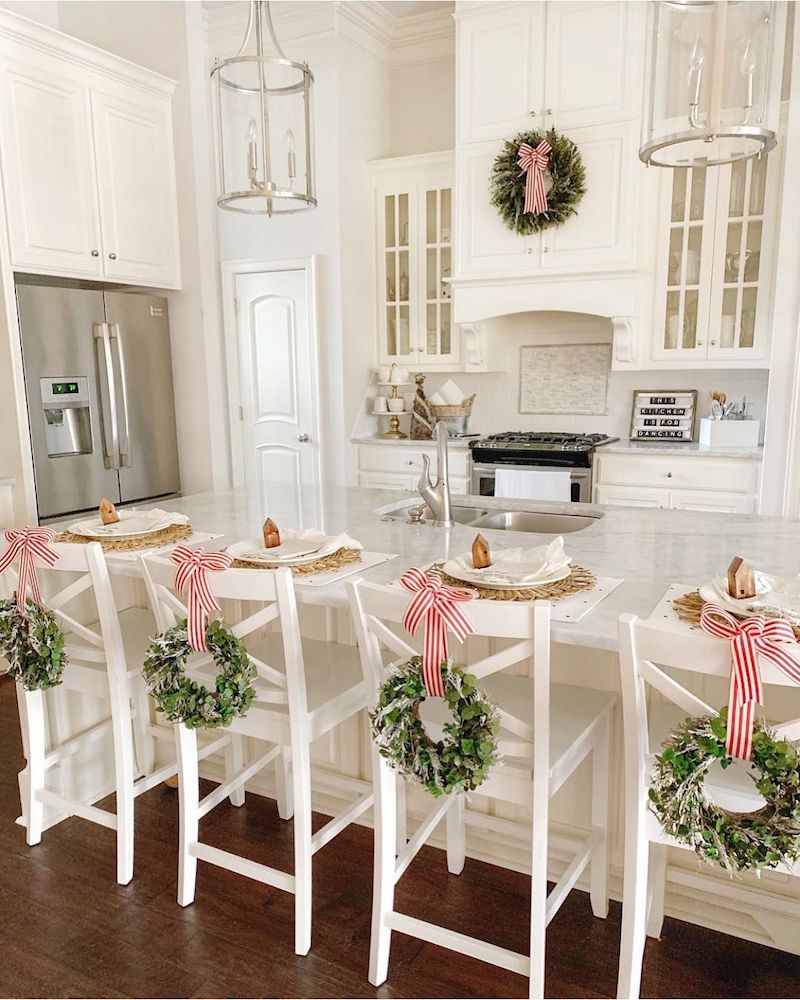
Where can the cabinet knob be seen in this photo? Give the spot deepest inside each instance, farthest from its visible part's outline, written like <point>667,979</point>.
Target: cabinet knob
<point>713,343</point>
<point>548,111</point>
<point>700,343</point>
<point>410,461</point>
<point>95,253</point>
<point>112,256</point>
<point>303,438</point>
<point>669,475</point>
<point>545,249</point>
<point>528,249</point>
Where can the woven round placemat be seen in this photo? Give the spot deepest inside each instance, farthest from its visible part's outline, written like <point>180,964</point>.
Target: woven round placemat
<point>335,560</point>
<point>689,606</point>
<point>153,539</point>
<point>579,579</point>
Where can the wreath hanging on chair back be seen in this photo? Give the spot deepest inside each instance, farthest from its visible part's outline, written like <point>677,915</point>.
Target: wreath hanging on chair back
<point>537,181</point>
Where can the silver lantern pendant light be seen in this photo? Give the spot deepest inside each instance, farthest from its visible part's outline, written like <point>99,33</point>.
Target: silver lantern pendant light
<point>264,125</point>
<point>714,78</point>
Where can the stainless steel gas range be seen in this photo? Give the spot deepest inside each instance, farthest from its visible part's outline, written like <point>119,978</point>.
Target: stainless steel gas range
<point>536,450</point>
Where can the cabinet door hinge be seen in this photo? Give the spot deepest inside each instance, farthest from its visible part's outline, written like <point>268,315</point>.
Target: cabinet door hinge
<point>241,413</point>
<point>236,306</point>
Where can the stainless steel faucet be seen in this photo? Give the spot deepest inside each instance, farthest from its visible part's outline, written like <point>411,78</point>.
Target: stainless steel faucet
<point>438,497</point>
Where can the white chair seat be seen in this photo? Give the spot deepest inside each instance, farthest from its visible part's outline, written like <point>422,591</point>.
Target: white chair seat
<point>574,713</point>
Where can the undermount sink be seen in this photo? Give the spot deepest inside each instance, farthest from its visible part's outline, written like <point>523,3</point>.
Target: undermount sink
<point>535,521</point>
<point>541,522</point>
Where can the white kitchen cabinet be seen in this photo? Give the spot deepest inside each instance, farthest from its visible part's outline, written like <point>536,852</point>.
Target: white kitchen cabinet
<point>86,152</point>
<point>715,261</point>
<point>683,482</point>
<point>136,187</point>
<point>534,65</point>
<point>600,235</point>
<point>48,169</point>
<point>399,466</point>
<point>413,209</point>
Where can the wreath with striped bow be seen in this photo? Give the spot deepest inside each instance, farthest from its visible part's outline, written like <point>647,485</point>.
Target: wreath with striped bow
<point>736,842</point>
<point>184,700</point>
<point>461,760</point>
<point>563,177</point>
<point>32,643</point>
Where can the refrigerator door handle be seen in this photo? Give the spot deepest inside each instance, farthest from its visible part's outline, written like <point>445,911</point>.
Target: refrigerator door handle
<point>115,334</point>
<point>108,401</point>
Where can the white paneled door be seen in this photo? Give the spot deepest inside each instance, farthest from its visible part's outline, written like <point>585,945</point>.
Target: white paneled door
<point>279,414</point>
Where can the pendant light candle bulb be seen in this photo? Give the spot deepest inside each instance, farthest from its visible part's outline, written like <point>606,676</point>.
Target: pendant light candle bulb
<point>252,152</point>
<point>291,155</point>
<point>748,68</point>
<point>696,60</point>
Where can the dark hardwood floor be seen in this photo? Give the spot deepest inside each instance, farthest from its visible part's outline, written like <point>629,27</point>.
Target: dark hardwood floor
<point>68,930</point>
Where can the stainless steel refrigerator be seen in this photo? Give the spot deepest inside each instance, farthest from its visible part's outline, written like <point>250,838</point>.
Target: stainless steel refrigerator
<point>98,377</point>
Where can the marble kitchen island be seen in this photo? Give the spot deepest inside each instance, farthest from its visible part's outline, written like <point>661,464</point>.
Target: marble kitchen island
<point>650,549</point>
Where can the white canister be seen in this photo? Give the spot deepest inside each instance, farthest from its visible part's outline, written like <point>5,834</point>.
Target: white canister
<point>396,405</point>
<point>380,405</point>
<point>729,433</point>
<point>384,374</point>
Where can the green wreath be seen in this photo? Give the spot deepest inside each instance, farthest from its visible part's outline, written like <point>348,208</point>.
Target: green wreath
<point>183,700</point>
<point>33,644</point>
<point>735,841</point>
<point>507,183</point>
<point>458,763</point>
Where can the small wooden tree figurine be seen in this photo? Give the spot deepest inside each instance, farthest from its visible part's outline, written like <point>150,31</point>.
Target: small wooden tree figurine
<point>421,416</point>
<point>741,579</point>
<point>272,537</point>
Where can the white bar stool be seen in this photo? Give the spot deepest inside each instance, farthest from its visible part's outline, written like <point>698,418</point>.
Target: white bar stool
<point>299,699</point>
<point>99,665</point>
<point>547,732</point>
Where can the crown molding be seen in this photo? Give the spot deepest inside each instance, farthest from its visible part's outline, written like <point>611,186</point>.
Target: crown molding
<point>403,41</point>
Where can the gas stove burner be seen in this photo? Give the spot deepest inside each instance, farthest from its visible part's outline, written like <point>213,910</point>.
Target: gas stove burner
<point>515,441</point>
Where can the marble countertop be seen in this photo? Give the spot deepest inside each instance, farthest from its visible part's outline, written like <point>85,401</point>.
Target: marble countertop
<point>671,448</point>
<point>649,549</point>
<point>408,443</point>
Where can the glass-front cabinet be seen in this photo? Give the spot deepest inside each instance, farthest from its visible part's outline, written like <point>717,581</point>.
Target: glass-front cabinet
<point>714,268</point>
<point>413,199</point>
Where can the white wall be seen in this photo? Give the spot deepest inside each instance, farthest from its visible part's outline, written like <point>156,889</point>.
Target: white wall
<point>496,407</point>
<point>350,97</point>
<point>43,11</point>
<point>422,104</point>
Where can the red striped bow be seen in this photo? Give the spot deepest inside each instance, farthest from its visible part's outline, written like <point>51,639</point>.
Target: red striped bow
<point>749,639</point>
<point>192,577</point>
<point>28,545</point>
<point>534,163</point>
<point>437,603</point>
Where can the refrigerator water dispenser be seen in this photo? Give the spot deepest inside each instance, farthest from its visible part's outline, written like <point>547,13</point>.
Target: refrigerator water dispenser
<point>67,417</point>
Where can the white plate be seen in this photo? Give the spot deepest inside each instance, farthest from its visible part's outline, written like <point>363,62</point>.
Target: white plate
<point>294,552</point>
<point>131,524</point>
<point>458,572</point>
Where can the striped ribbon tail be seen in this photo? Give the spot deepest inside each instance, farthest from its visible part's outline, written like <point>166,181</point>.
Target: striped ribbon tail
<point>191,578</point>
<point>437,606</point>
<point>534,161</point>
<point>749,639</point>
<point>26,546</point>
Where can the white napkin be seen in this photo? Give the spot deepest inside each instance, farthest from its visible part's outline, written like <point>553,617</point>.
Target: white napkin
<point>328,543</point>
<point>533,484</point>
<point>520,566</point>
<point>130,520</point>
<point>437,399</point>
<point>451,394</point>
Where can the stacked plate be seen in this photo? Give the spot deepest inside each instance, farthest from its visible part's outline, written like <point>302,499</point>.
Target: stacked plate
<point>296,548</point>
<point>132,524</point>
<point>515,569</point>
<point>775,596</point>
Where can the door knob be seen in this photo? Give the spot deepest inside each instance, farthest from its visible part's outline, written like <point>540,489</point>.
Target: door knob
<point>112,256</point>
<point>302,438</point>
<point>95,253</point>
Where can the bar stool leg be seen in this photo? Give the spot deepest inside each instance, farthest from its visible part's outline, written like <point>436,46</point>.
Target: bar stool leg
<point>456,836</point>
<point>634,904</point>
<point>36,743</point>
<point>656,889</point>
<point>385,813</point>
<point>283,783</point>
<point>301,782</point>
<point>189,801</point>
<point>234,763</point>
<point>598,888</point>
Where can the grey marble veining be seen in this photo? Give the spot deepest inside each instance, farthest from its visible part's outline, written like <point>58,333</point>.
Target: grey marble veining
<point>649,549</point>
